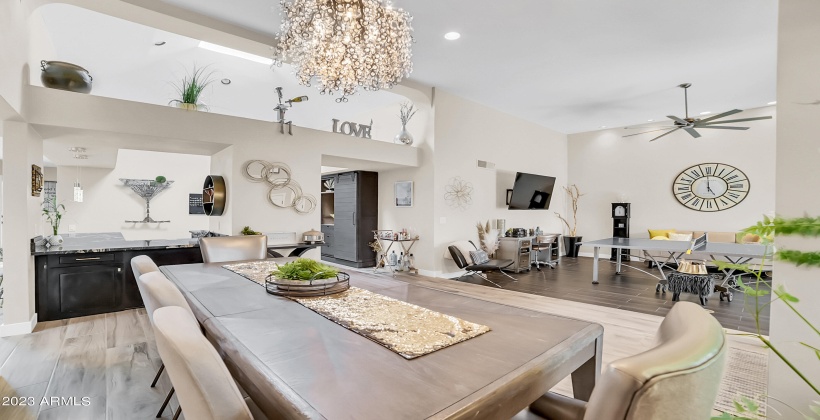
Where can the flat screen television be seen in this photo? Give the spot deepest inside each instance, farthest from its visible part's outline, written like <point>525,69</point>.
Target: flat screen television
<point>531,192</point>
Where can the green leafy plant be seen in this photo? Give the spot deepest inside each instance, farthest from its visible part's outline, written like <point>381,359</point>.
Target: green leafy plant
<point>160,179</point>
<point>54,213</point>
<point>191,86</point>
<point>760,286</point>
<point>248,231</point>
<point>305,269</point>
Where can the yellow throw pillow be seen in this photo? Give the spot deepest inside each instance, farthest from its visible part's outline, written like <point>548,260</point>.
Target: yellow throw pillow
<point>660,232</point>
<point>660,238</point>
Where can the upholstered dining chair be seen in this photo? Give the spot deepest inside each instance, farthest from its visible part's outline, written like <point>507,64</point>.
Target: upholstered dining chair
<point>677,379</point>
<point>205,388</point>
<point>233,248</point>
<point>158,292</point>
<point>142,264</point>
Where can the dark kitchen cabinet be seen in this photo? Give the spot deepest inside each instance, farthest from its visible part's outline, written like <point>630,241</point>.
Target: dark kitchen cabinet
<point>356,216</point>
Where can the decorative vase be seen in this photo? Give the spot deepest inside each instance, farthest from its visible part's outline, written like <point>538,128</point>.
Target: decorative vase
<point>404,137</point>
<point>571,245</point>
<point>55,240</point>
<point>65,76</point>
<point>187,106</point>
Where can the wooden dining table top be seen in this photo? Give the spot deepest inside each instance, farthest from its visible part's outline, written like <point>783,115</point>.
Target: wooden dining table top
<point>294,363</point>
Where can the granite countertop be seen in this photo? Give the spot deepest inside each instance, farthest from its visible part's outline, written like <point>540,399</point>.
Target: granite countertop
<point>81,243</point>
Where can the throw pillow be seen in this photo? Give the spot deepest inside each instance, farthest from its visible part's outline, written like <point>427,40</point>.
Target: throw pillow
<point>660,232</point>
<point>479,257</point>
<point>747,238</point>
<point>680,236</point>
<point>660,238</point>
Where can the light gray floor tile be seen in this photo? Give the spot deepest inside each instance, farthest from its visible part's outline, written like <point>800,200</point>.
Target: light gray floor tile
<point>129,372</point>
<point>80,371</point>
<point>23,403</point>
<point>87,325</point>
<point>123,328</point>
<point>95,410</point>
<point>34,357</point>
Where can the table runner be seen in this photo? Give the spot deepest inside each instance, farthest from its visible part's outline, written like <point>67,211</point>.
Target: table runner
<point>404,328</point>
<point>407,329</point>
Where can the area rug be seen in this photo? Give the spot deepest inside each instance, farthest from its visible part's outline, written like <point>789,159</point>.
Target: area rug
<point>407,329</point>
<point>746,375</point>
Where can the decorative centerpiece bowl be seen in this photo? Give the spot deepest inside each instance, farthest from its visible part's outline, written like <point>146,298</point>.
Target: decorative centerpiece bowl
<point>306,288</point>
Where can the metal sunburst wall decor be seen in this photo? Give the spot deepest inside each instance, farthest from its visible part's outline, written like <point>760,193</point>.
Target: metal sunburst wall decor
<point>459,193</point>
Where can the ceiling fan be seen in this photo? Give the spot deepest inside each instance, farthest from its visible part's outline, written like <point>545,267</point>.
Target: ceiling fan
<point>689,124</point>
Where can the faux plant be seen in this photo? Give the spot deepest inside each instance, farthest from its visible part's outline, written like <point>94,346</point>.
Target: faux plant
<point>487,237</point>
<point>574,194</point>
<point>248,231</point>
<point>54,214</point>
<point>191,86</point>
<point>406,113</point>
<point>305,269</point>
<point>760,286</point>
<point>160,179</point>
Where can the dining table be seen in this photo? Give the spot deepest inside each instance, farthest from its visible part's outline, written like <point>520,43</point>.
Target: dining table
<point>296,364</point>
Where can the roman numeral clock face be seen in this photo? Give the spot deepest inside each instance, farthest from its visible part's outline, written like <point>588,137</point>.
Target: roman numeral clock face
<point>711,187</point>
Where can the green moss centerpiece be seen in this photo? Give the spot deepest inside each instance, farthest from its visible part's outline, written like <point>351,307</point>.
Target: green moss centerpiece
<point>305,277</point>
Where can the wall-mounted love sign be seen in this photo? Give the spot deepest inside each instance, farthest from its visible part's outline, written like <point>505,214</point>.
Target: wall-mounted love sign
<point>352,129</point>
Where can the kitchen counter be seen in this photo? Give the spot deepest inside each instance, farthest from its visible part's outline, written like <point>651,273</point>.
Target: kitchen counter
<point>81,243</point>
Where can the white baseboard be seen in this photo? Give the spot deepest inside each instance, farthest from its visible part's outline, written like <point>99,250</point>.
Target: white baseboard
<point>20,328</point>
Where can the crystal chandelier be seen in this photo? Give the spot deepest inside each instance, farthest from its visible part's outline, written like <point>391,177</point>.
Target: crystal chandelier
<point>342,45</point>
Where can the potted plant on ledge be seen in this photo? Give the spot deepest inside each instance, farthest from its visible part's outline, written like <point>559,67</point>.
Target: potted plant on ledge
<point>190,88</point>
<point>572,242</point>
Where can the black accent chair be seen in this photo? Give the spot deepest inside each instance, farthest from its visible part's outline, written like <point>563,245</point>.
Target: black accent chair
<point>479,269</point>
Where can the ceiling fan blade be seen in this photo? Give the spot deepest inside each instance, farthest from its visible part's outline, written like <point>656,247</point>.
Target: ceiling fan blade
<point>714,117</point>
<point>692,132</point>
<point>726,127</point>
<point>648,126</point>
<point>699,123</point>
<point>666,134</point>
<point>650,131</point>
<point>677,120</point>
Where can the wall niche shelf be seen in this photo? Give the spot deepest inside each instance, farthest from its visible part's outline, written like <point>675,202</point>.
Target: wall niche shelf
<point>147,189</point>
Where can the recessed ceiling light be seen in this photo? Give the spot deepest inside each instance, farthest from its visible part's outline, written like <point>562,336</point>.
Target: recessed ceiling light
<point>159,43</point>
<point>77,149</point>
<point>772,103</point>
<point>452,36</point>
<point>226,81</point>
<point>235,53</point>
<point>705,112</point>
<point>603,126</point>
<point>650,120</point>
<point>79,156</point>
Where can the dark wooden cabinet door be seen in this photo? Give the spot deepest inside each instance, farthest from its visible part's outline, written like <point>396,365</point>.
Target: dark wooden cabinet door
<point>344,228</point>
<point>327,248</point>
<point>84,290</point>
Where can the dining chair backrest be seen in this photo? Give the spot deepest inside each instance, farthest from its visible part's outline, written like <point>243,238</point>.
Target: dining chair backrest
<point>142,264</point>
<point>677,379</point>
<point>233,248</point>
<point>159,293</point>
<point>204,387</point>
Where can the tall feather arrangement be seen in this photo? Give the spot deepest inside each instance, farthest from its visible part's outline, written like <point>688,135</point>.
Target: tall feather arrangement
<point>487,237</point>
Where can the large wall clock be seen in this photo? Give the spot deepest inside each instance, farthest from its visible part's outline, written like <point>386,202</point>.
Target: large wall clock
<point>711,187</point>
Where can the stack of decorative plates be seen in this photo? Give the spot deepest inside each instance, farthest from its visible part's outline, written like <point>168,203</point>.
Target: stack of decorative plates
<point>306,288</point>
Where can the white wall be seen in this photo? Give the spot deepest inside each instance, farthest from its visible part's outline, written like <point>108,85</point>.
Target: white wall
<point>798,180</point>
<point>14,44</point>
<point>605,166</point>
<point>107,203</point>
<point>466,132</point>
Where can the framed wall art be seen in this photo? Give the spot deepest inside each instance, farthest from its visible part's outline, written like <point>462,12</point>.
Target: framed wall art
<point>404,193</point>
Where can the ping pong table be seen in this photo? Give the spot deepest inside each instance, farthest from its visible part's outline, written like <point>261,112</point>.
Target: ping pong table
<point>731,252</point>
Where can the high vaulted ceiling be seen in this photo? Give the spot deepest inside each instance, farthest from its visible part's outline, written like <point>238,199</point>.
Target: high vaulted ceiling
<point>578,65</point>
<point>571,66</point>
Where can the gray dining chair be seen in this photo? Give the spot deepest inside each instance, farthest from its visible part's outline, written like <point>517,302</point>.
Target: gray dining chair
<point>142,264</point>
<point>158,292</point>
<point>678,379</point>
<point>205,388</point>
<point>233,248</point>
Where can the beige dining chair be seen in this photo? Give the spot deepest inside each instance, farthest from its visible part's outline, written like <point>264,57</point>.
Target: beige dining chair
<point>142,264</point>
<point>233,248</point>
<point>205,388</point>
<point>158,292</point>
<point>677,379</point>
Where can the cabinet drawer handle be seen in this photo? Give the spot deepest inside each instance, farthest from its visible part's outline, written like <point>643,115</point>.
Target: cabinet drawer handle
<point>87,259</point>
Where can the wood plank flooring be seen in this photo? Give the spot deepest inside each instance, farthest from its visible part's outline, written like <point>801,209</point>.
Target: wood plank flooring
<point>631,290</point>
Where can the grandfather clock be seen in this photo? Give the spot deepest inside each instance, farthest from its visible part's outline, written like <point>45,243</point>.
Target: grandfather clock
<point>620,227</point>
